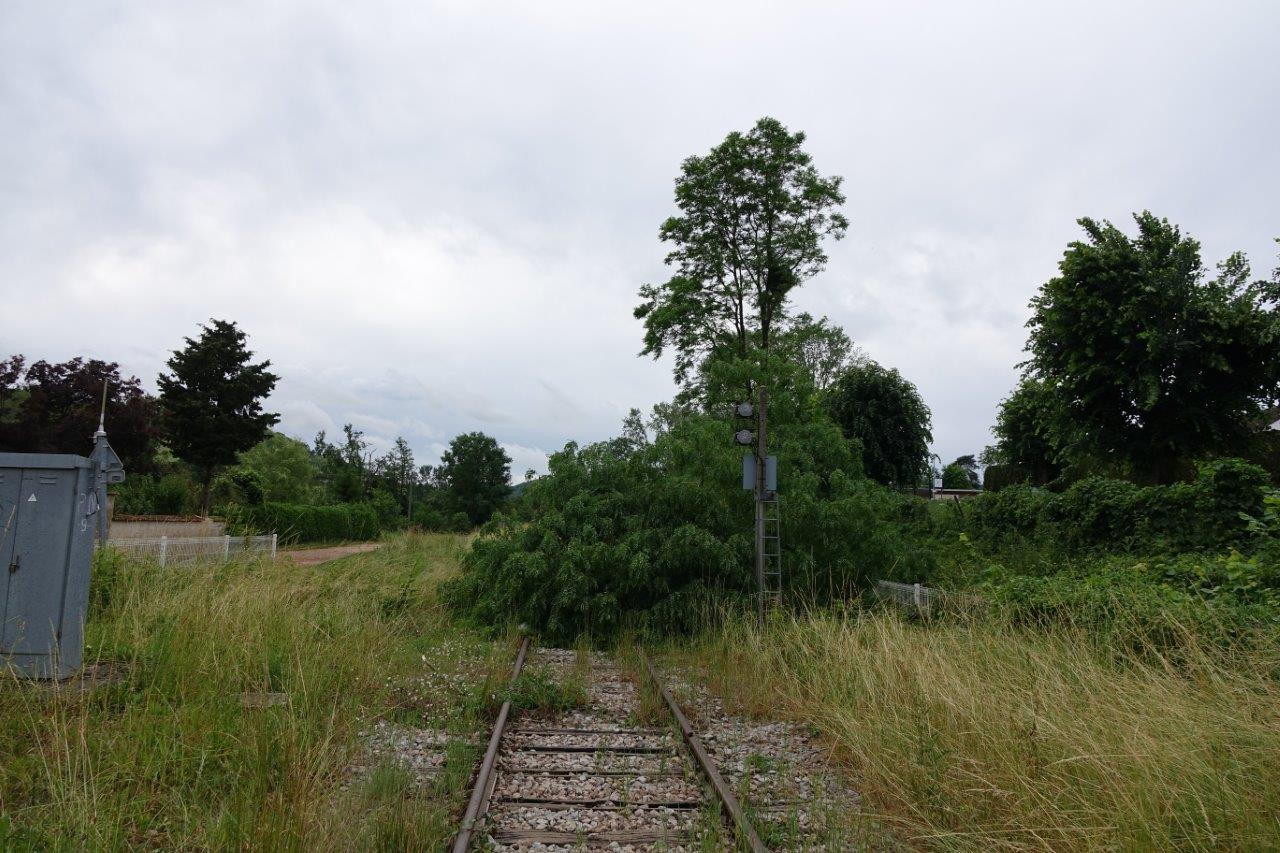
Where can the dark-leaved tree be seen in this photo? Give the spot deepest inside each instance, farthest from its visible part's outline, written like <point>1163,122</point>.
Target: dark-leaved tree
<point>884,412</point>
<point>54,408</point>
<point>1153,362</point>
<point>212,400</point>
<point>475,474</point>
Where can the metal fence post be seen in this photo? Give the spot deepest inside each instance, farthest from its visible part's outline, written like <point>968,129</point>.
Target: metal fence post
<point>164,549</point>
<point>915,596</point>
<point>273,546</point>
<point>226,547</point>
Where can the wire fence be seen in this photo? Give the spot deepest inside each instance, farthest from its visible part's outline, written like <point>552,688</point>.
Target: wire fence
<point>925,600</point>
<point>177,550</point>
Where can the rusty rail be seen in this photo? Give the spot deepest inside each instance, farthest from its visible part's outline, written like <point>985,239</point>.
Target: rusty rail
<point>728,802</point>
<point>478,805</point>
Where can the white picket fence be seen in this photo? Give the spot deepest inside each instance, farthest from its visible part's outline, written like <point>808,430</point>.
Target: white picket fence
<point>176,550</point>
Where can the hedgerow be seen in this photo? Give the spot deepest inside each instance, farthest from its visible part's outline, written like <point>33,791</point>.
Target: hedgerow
<point>1098,513</point>
<point>303,523</point>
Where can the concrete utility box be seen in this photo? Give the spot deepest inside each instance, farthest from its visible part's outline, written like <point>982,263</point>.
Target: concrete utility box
<point>48,505</point>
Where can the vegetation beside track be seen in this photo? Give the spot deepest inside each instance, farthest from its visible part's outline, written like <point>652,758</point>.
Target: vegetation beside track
<point>977,734</point>
<point>165,754</point>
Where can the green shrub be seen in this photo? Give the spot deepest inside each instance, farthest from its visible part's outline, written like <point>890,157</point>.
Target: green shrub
<point>1098,513</point>
<point>1015,511</point>
<point>300,523</point>
<point>997,477</point>
<point>656,535</point>
<point>146,494</point>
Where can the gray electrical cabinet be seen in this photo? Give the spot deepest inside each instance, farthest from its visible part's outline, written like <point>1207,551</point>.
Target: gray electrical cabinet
<point>48,504</point>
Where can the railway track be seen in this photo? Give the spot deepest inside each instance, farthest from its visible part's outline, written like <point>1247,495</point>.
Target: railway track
<point>595,777</point>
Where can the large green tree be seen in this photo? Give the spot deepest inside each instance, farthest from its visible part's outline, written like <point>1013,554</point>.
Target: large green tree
<point>397,468</point>
<point>884,411</point>
<point>475,474</point>
<point>1152,360</point>
<point>1024,434</point>
<point>283,467</point>
<point>753,215</point>
<point>821,347</point>
<point>212,400</point>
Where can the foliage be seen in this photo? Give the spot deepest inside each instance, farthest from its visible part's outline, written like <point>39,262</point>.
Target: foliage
<point>820,346</point>
<point>1023,431</point>
<point>538,689</point>
<point>475,475</point>
<point>212,400</point>
<point>397,470</point>
<point>991,735</point>
<point>430,518</point>
<point>962,474</point>
<point>885,413</point>
<point>301,523</point>
<point>753,215</point>
<point>155,494</point>
<point>1211,512</point>
<point>284,468</point>
<point>163,752</point>
<point>653,532</point>
<point>55,408</point>
<point>1150,362</point>
<point>997,477</point>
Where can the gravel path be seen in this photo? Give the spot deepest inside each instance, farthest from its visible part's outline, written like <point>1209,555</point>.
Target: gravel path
<point>780,775</point>
<point>593,778</point>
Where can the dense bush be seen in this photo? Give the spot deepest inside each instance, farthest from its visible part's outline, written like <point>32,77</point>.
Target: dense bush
<point>148,494</point>
<point>657,533</point>
<point>436,520</point>
<point>300,523</point>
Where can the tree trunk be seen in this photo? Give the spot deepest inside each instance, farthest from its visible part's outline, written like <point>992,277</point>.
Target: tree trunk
<point>206,486</point>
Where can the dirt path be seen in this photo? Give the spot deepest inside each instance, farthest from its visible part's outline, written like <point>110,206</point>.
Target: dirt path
<point>316,556</point>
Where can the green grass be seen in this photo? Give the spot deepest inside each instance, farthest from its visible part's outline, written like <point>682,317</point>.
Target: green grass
<point>978,735</point>
<point>168,756</point>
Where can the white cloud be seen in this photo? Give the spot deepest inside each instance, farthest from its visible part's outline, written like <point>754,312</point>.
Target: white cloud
<point>434,219</point>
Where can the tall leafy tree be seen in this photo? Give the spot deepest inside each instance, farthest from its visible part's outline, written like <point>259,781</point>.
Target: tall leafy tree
<point>397,468</point>
<point>212,400</point>
<point>962,474</point>
<point>475,473</point>
<point>1153,361</point>
<point>820,346</point>
<point>54,408</point>
<point>284,468</point>
<point>886,414</point>
<point>1024,432</point>
<point>753,215</point>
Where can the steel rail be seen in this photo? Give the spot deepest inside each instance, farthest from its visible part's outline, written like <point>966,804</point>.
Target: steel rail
<point>728,802</point>
<point>478,805</point>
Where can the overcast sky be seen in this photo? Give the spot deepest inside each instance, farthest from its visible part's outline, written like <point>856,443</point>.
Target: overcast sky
<point>434,217</point>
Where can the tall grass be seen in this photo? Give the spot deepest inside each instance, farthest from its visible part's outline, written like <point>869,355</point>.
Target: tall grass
<point>168,754</point>
<point>979,735</point>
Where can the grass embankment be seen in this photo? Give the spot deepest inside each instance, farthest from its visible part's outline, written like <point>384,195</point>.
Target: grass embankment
<point>169,755</point>
<point>979,736</point>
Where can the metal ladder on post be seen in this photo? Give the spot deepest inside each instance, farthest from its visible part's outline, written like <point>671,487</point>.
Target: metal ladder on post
<point>772,549</point>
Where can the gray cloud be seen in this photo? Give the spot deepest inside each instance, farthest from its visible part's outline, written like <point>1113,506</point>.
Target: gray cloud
<point>434,217</point>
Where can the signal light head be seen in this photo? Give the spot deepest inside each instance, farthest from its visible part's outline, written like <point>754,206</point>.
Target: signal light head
<point>744,436</point>
<point>744,410</point>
